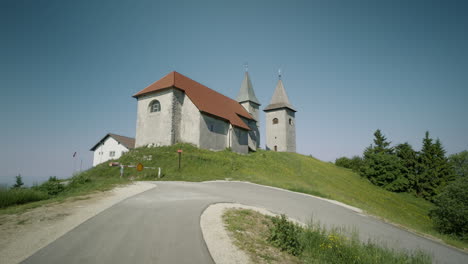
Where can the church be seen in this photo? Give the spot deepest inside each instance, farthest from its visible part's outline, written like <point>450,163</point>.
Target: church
<point>178,109</point>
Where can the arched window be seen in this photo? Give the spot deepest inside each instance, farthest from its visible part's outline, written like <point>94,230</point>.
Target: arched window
<point>275,121</point>
<point>155,106</point>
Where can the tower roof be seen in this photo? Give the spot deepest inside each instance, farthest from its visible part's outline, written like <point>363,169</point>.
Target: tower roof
<point>246,92</point>
<point>280,99</point>
<point>205,99</point>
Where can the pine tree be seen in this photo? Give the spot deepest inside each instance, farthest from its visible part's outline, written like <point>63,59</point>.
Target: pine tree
<point>382,167</point>
<point>19,182</point>
<point>434,171</point>
<point>381,144</point>
<point>409,160</point>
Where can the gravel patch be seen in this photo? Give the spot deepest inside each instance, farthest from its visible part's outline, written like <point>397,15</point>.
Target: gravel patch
<point>21,235</point>
<point>219,243</point>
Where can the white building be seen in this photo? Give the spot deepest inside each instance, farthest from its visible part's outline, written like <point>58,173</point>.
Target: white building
<point>111,147</point>
<point>179,109</point>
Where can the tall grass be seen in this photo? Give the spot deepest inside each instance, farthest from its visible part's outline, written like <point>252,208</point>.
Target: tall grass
<point>324,246</point>
<point>17,196</point>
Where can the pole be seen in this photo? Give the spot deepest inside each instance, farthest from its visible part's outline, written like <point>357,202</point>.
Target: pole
<point>179,159</point>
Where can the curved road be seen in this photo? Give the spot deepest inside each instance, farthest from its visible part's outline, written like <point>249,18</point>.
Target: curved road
<point>162,225</point>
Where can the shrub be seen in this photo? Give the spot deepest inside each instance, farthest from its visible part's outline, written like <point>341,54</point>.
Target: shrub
<point>451,214</point>
<point>355,163</point>
<point>79,180</point>
<point>52,187</point>
<point>286,235</point>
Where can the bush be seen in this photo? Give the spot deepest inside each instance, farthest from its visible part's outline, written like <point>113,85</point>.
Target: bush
<point>79,180</point>
<point>451,214</point>
<point>285,235</point>
<point>16,196</point>
<point>355,163</point>
<point>52,187</point>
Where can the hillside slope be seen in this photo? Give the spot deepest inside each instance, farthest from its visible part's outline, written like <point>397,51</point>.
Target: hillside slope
<point>285,170</point>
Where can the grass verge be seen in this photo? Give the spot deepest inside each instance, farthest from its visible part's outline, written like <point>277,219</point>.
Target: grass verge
<point>275,240</point>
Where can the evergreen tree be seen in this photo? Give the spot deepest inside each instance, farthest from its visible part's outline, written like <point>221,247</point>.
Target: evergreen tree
<point>382,167</point>
<point>434,171</point>
<point>19,182</point>
<point>409,160</point>
<point>381,144</point>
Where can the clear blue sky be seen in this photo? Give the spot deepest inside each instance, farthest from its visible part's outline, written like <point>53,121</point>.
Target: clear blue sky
<point>68,70</point>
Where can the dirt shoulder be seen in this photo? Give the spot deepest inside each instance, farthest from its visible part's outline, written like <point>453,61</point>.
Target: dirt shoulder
<point>21,235</point>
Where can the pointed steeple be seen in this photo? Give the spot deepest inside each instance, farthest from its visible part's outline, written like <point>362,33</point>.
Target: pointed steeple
<point>280,98</point>
<point>246,92</point>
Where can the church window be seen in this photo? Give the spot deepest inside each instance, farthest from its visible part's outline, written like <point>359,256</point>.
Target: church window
<point>155,106</point>
<point>275,121</point>
<point>290,121</point>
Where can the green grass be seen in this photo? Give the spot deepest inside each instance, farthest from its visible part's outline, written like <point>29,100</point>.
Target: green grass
<point>257,234</point>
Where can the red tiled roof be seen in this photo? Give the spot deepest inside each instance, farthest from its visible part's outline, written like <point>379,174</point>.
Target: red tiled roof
<point>204,98</point>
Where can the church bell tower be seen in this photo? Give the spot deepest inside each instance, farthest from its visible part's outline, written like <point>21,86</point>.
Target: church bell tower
<point>280,121</point>
<point>250,102</point>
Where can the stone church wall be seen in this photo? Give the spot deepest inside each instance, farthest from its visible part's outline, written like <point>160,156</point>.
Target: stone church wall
<point>239,141</point>
<point>155,128</point>
<point>190,121</point>
<point>213,133</point>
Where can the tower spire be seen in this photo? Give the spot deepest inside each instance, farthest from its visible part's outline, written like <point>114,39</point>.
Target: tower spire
<point>280,98</point>
<point>246,92</point>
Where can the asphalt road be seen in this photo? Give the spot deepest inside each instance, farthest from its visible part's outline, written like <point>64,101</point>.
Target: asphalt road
<point>162,225</point>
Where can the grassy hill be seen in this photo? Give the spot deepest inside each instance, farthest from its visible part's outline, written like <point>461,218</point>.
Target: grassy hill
<point>285,170</point>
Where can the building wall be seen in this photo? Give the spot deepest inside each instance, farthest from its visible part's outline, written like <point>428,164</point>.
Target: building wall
<point>213,133</point>
<point>290,131</point>
<point>254,133</point>
<point>189,122</point>
<point>283,134</point>
<point>239,140</point>
<point>155,128</point>
<point>102,152</point>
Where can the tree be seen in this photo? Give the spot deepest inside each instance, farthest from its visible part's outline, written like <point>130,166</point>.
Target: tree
<point>381,144</point>
<point>434,171</point>
<point>19,182</point>
<point>459,163</point>
<point>382,167</point>
<point>409,160</point>
<point>451,214</point>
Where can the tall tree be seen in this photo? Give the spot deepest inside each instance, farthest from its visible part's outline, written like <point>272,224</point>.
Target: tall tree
<point>381,145</point>
<point>434,171</point>
<point>409,160</point>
